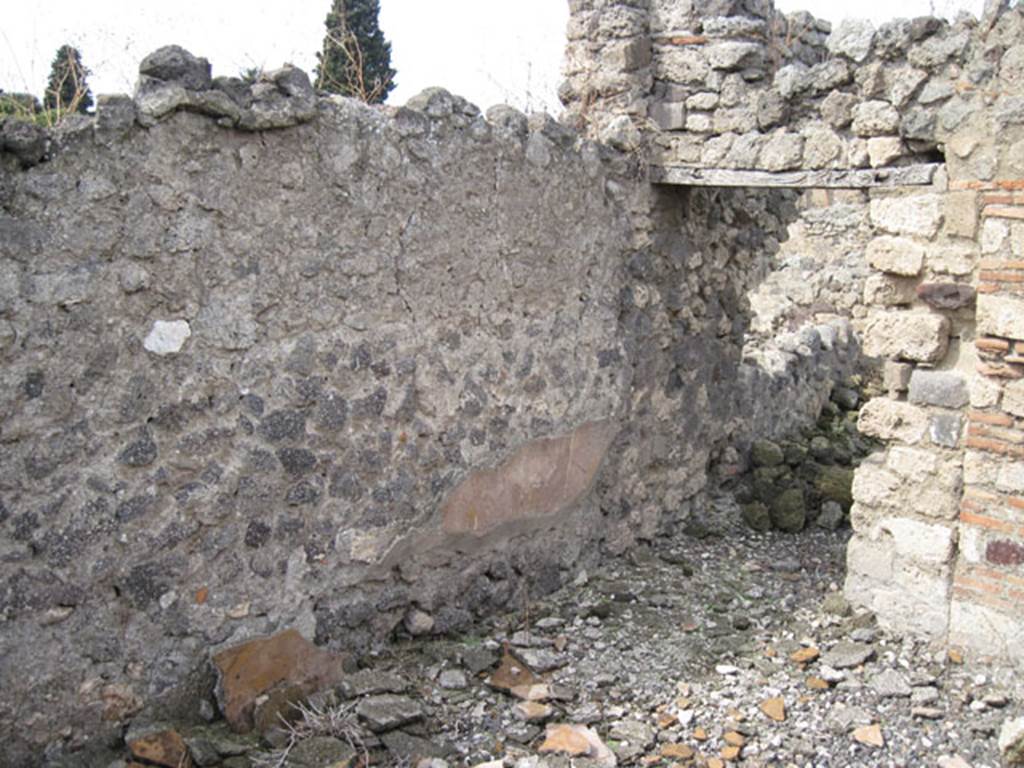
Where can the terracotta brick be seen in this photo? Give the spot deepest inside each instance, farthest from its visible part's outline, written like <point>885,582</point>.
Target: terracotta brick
<point>995,419</point>
<point>681,40</point>
<point>984,497</point>
<point>1014,359</point>
<point>1006,434</point>
<point>1002,276</point>
<point>994,446</point>
<point>1000,371</point>
<point>997,576</point>
<point>1003,211</point>
<point>989,523</point>
<point>998,198</point>
<point>982,185</point>
<point>992,344</point>
<point>992,601</point>
<point>989,288</point>
<point>1000,264</point>
<point>982,586</point>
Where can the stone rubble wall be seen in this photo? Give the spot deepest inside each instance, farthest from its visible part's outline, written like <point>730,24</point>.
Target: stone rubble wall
<point>278,361</point>
<point>928,275</point>
<point>359,375</point>
<point>739,85</point>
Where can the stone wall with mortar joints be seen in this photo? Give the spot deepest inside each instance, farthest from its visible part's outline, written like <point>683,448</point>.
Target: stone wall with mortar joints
<point>246,374</point>
<point>745,90</point>
<point>937,545</point>
<point>385,370</point>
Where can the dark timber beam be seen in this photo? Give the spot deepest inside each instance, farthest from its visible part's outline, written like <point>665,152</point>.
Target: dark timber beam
<point>846,178</point>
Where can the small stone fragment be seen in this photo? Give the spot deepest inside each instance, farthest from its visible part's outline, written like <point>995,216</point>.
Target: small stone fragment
<point>846,655</point>
<point>677,751</point>
<point>731,754</point>
<point>387,712</point>
<point>734,739</point>
<point>775,709</point>
<point>871,735</point>
<point>805,655</point>
<point>890,684</point>
<point>165,748</point>
<point>532,711</point>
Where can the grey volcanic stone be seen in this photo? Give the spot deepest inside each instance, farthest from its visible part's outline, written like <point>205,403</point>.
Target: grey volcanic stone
<point>852,38</point>
<point>943,388</point>
<point>846,655</point>
<point>173,64</point>
<point>890,684</point>
<point>385,713</point>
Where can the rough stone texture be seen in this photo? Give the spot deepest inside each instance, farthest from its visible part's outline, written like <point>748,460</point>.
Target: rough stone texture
<point>913,336</point>
<point>1001,316</point>
<point>896,255</point>
<point>942,388</point>
<point>379,303</point>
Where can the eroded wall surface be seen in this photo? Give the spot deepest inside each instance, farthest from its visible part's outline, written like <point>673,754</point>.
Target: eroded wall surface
<point>275,361</point>
<point>323,377</point>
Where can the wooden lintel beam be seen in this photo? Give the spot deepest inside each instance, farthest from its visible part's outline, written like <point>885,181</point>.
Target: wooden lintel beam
<point>845,178</point>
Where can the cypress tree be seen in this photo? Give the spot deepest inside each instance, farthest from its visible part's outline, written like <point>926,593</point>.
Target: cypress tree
<point>356,59</point>
<point>67,89</point>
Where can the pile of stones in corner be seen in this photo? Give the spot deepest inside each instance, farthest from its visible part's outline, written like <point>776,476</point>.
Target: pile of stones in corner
<point>806,479</point>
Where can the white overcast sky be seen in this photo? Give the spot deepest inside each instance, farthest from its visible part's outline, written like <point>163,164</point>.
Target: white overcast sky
<point>489,51</point>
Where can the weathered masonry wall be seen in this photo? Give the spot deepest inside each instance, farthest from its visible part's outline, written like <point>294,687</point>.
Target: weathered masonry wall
<point>909,138</point>
<point>359,371</point>
<point>276,361</point>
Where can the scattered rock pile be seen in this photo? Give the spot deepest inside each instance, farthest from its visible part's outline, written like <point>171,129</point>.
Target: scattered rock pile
<point>808,478</point>
<point>730,650</point>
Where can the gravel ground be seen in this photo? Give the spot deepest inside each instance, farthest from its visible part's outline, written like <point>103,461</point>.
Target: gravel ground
<point>701,650</point>
<point>683,649</point>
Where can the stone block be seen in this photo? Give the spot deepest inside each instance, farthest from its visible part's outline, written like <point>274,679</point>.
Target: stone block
<point>852,38</point>
<point>913,336</point>
<point>943,388</point>
<point>896,255</point>
<point>892,420</point>
<point>1001,316</point>
<point>733,55</point>
<point>915,464</point>
<point>822,148</point>
<point>1013,398</point>
<point>670,116</point>
<point>782,152</point>
<point>944,429</point>
<point>889,291</point>
<point>908,214</point>
<point>957,260</point>
<point>960,210</point>
<point>875,118</point>
<point>1010,477</point>
<point>1002,636</point>
<point>922,542</point>
<point>873,559</point>
<point>837,109</point>
<point>883,150</point>
<point>896,376</point>
<point>875,486</point>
